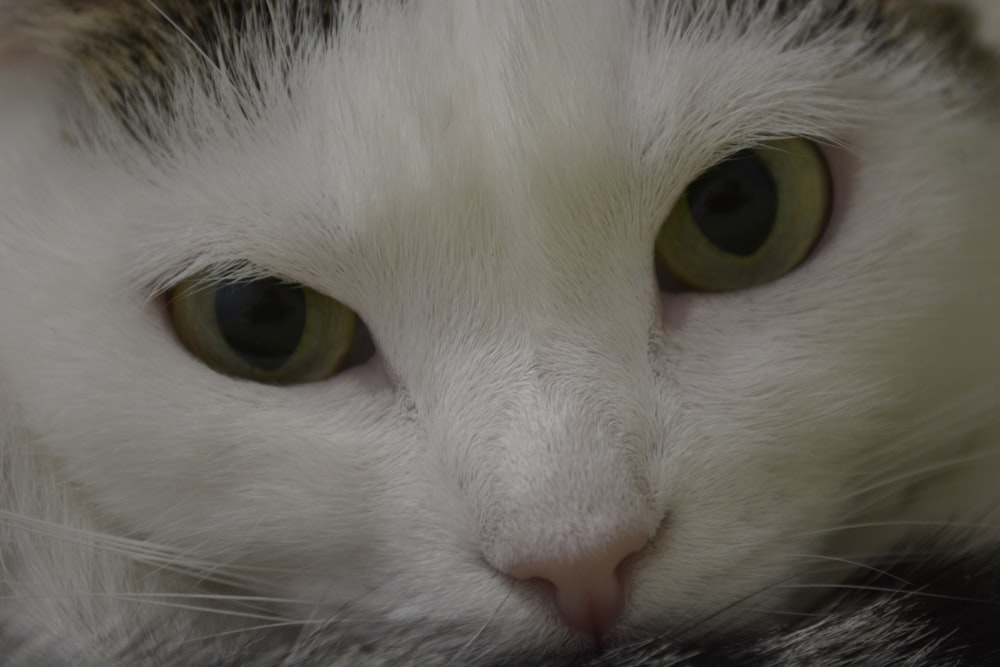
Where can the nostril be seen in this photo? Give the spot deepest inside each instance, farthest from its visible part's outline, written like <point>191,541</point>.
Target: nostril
<point>587,590</point>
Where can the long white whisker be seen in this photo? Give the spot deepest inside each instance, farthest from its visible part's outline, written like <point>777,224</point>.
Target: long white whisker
<point>482,628</point>
<point>849,561</point>
<point>238,631</point>
<point>923,471</point>
<point>893,524</point>
<point>180,31</point>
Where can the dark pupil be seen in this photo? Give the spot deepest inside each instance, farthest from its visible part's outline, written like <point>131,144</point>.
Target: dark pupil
<point>735,203</point>
<point>262,321</point>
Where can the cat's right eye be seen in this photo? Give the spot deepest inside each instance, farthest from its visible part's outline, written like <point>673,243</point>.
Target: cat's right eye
<point>267,330</point>
<point>748,220</point>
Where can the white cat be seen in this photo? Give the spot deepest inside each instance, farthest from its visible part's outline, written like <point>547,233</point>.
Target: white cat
<point>675,314</point>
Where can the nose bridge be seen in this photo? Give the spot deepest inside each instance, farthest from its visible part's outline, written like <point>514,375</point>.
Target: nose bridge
<point>569,469</point>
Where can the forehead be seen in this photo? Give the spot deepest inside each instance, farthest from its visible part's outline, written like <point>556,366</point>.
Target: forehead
<point>310,129</point>
<point>134,54</point>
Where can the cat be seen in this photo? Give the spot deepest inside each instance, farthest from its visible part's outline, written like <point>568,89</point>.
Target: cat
<point>645,333</point>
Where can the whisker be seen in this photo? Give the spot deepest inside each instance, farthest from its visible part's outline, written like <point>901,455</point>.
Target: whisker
<point>180,31</point>
<point>926,470</point>
<point>336,616</point>
<point>151,599</point>
<point>138,595</point>
<point>729,606</point>
<point>785,612</point>
<point>887,589</point>
<point>141,551</point>
<point>852,562</point>
<point>894,524</point>
<point>237,631</point>
<point>457,658</point>
<point>74,535</point>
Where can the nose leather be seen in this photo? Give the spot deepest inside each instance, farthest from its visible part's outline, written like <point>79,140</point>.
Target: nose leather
<point>588,591</point>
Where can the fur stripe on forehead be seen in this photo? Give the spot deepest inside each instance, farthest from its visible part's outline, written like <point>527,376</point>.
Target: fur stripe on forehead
<point>934,30</point>
<point>131,49</point>
<point>130,53</point>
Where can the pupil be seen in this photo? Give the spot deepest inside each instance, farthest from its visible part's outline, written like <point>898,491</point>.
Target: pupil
<point>735,204</point>
<point>263,321</point>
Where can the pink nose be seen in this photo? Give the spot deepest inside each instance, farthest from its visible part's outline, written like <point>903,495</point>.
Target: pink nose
<point>589,594</point>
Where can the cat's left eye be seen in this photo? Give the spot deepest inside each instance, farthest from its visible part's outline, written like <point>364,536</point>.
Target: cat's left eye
<point>267,330</point>
<point>748,220</point>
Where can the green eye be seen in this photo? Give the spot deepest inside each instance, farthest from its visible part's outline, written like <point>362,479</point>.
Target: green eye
<point>267,330</point>
<point>748,220</point>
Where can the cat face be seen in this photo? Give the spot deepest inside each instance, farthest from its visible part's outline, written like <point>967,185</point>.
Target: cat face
<point>487,198</point>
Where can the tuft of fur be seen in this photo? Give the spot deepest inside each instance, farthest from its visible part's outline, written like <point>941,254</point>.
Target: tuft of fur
<point>482,183</point>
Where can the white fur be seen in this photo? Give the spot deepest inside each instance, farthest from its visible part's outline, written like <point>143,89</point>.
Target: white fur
<point>483,183</point>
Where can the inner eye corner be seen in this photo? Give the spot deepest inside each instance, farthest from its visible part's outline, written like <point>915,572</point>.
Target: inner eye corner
<point>665,280</point>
